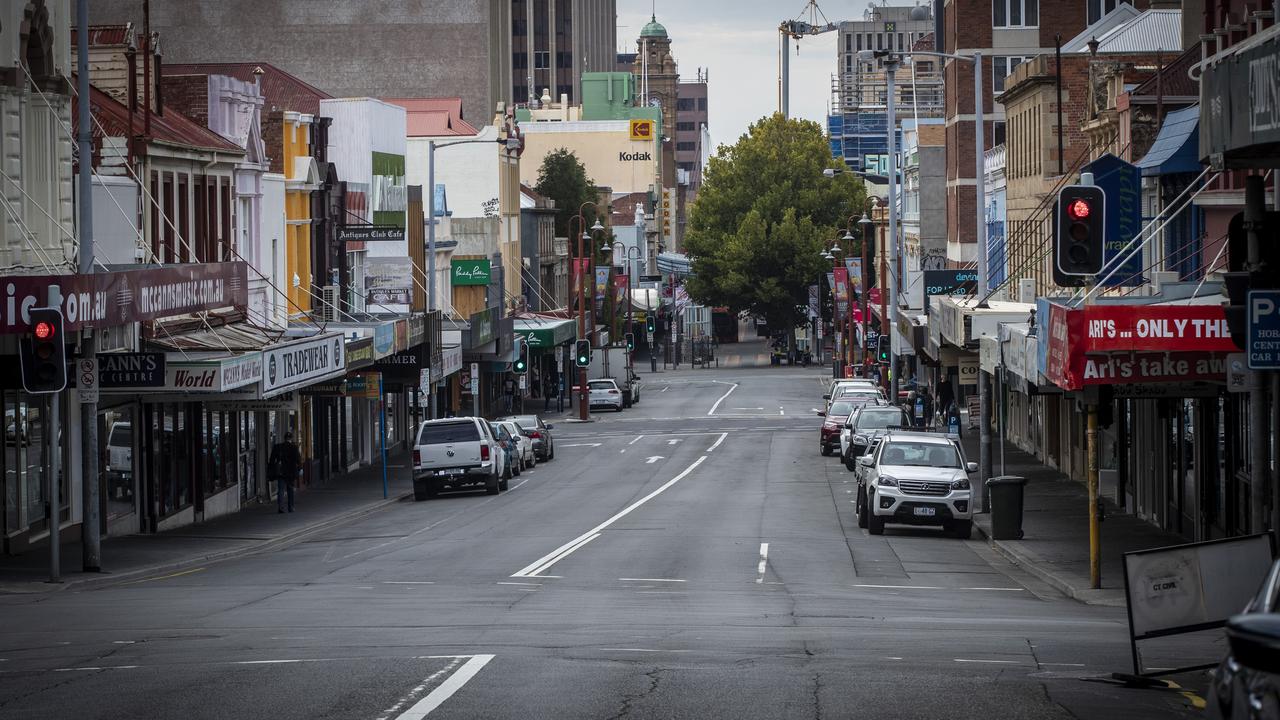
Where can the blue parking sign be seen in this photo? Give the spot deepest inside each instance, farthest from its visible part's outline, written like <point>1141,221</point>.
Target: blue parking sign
<point>1262,313</point>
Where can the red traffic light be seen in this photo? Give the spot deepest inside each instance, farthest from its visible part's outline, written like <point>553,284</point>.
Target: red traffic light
<point>43,330</point>
<point>1078,209</point>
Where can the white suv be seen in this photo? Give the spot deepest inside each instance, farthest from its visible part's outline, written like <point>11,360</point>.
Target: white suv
<point>456,452</point>
<point>916,478</point>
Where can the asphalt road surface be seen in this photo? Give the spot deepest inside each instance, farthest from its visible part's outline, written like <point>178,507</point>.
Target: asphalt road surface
<point>692,557</point>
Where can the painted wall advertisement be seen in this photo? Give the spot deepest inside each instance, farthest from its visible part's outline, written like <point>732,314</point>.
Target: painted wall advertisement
<point>388,281</point>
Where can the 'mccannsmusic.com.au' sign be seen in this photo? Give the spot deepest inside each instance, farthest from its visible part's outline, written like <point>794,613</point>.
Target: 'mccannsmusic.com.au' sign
<point>471,272</point>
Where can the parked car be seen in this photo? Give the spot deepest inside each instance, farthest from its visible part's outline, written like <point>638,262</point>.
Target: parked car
<point>863,394</point>
<point>1246,686</point>
<point>524,444</point>
<point>631,389</point>
<point>829,435</point>
<point>120,460</point>
<point>916,478</point>
<point>455,452</point>
<point>838,383</point>
<point>539,432</point>
<point>508,450</point>
<point>605,393</point>
<point>865,424</point>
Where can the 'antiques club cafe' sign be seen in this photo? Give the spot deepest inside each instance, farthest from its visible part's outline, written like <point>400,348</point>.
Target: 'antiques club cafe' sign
<point>117,298</point>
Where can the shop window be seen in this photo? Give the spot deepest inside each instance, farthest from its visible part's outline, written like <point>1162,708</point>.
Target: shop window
<point>218,451</point>
<point>25,483</point>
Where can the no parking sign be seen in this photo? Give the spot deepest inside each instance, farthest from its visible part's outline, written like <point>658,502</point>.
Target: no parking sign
<point>87,379</point>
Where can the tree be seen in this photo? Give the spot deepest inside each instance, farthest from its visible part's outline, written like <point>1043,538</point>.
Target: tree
<point>563,178</point>
<point>764,215</point>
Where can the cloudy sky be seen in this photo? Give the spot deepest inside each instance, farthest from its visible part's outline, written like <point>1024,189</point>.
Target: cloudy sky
<point>737,41</point>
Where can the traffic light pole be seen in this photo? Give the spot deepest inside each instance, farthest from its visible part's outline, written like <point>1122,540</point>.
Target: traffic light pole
<point>1091,461</point>
<point>55,503</point>
<point>91,525</point>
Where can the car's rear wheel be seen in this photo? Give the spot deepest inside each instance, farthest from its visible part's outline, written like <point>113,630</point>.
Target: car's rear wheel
<point>503,484</point>
<point>491,486</point>
<point>825,450</point>
<point>551,452</point>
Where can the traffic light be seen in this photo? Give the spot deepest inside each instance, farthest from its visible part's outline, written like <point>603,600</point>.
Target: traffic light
<point>651,324</point>
<point>1078,242</point>
<point>884,348</point>
<point>631,342</point>
<point>582,355</point>
<point>41,353</point>
<point>521,365</point>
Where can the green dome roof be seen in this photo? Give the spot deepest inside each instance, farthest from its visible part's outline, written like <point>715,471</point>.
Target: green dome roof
<point>653,29</point>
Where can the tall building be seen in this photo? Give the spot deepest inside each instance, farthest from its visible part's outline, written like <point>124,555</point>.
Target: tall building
<point>691,121</point>
<point>859,92</point>
<point>659,78</point>
<point>1006,32</point>
<point>554,41</point>
<point>482,51</point>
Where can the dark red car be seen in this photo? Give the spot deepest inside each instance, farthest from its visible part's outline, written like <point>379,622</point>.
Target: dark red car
<point>834,420</point>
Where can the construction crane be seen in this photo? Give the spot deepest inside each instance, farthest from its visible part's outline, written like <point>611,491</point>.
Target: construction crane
<point>810,21</point>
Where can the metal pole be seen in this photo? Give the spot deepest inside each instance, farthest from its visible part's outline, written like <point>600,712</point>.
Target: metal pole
<point>582,316</point>
<point>55,503</point>
<point>1095,539</point>
<point>91,526</point>
<point>1254,215</point>
<point>1057,54</point>
<point>431,247</point>
<point>784,77</point>
<point>382,432</point>
<point>890,69</point>
<point>984,276</point>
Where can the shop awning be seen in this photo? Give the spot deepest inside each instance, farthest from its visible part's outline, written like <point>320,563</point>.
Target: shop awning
<point>1177,146</point>
<point>674,263</point>
<point>546,333</point>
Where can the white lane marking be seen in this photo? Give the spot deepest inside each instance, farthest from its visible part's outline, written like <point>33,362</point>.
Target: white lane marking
<point>283,662</point>
<point>939,587</point>
<point>674,441</point>
<point>764,562</point>
<point>990,662</point>
<point>893,658</point>
<point>712,411</point>
<point>661,592</point>
<point>759,408</point>
<point>652,580</point>
<point>716,444</point>
<point>652,459</point>
<point>582,445</point>
<point>446,689</point>
<point>594,532</point>
<point>557,558</point>
<point>423,685</point>
<point>113,642</point>
<point>666,388</point>
<point>1062,664</point>
<point>517,487</point>
<point>780,412</point>
<point>407,582</point>
<point>648,650</point>
<point>633,442</point>
<point>520,583</point>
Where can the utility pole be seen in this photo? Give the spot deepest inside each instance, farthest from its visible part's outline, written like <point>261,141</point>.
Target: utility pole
<point>894,250</point>
<point>984,275</point>
<point>1254,217</point>
<point>91,527</point>
<point>431,251</point>
<point>1091,457</point>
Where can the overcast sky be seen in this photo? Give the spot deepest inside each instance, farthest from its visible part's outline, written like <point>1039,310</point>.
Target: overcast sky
<point>737,41</point>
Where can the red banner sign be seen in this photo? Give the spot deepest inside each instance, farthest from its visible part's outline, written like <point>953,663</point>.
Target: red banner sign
<point>116,298</point>
<point>1064,325</point>
<point>1150,328</point>
<point>1160,367</point>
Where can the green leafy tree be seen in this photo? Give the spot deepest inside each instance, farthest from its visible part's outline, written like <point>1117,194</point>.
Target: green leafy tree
<point>764,215</point>
<point>563,178</point>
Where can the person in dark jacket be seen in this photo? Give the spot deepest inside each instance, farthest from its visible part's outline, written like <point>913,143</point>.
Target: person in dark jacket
<point>284,466</point>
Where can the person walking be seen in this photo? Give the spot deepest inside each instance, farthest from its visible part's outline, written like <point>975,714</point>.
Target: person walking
<point>926,406</point>
<point>285,465</point>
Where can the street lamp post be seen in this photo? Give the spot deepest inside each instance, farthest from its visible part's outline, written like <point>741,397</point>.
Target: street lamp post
<point>582,305</point>
<point>984,392</point>
<point>631,278</point>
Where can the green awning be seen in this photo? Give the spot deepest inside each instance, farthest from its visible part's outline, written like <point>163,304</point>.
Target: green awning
<point>544,334</point>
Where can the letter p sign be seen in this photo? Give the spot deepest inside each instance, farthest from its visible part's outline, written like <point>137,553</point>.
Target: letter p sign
<point>1259,308</point>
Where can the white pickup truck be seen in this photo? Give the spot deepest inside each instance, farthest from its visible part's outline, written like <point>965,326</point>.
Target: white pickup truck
<point>455,452</point>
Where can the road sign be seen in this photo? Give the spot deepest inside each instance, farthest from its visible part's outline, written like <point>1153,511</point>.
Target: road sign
<point>1239,378</point>
<point>1262,335</point>
<point>87,379</point>
<point>475,378</point>
<point>424,379</point>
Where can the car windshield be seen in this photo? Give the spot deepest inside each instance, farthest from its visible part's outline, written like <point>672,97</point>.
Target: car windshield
<point>920,454</point>
<point>528,422</point>
<point>449,432</point>
<point>840,408</point>
<point>880,419</point>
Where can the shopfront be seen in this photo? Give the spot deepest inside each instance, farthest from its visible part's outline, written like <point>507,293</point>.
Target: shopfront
<point>550,339</point>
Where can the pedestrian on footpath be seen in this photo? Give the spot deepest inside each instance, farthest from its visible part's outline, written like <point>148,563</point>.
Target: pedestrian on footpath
<point>508,392</point>
<point>285,465</point>
<point>926,406</point>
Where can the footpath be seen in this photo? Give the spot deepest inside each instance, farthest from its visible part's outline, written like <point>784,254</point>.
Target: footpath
<point>255,528</point>
<point>1055,525</point>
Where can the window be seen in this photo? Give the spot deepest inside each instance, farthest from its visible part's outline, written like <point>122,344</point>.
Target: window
<point>686,126</point>
<point>541,60</point>
<point>859,42</point>
<point>997,133</point>
<point>702,103</point>
<point>1015,13</point>
<point>900,47</point>
<point>1002,66</point>
<point>848,43</point>
<point>1099,8</point>
<point>879,41</point>
<point>686,146</point>
<point>453,432</point>
<point>685,104</point>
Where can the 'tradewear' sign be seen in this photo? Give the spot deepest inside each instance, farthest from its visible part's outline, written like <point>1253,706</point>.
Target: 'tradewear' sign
<point>301,362</point>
